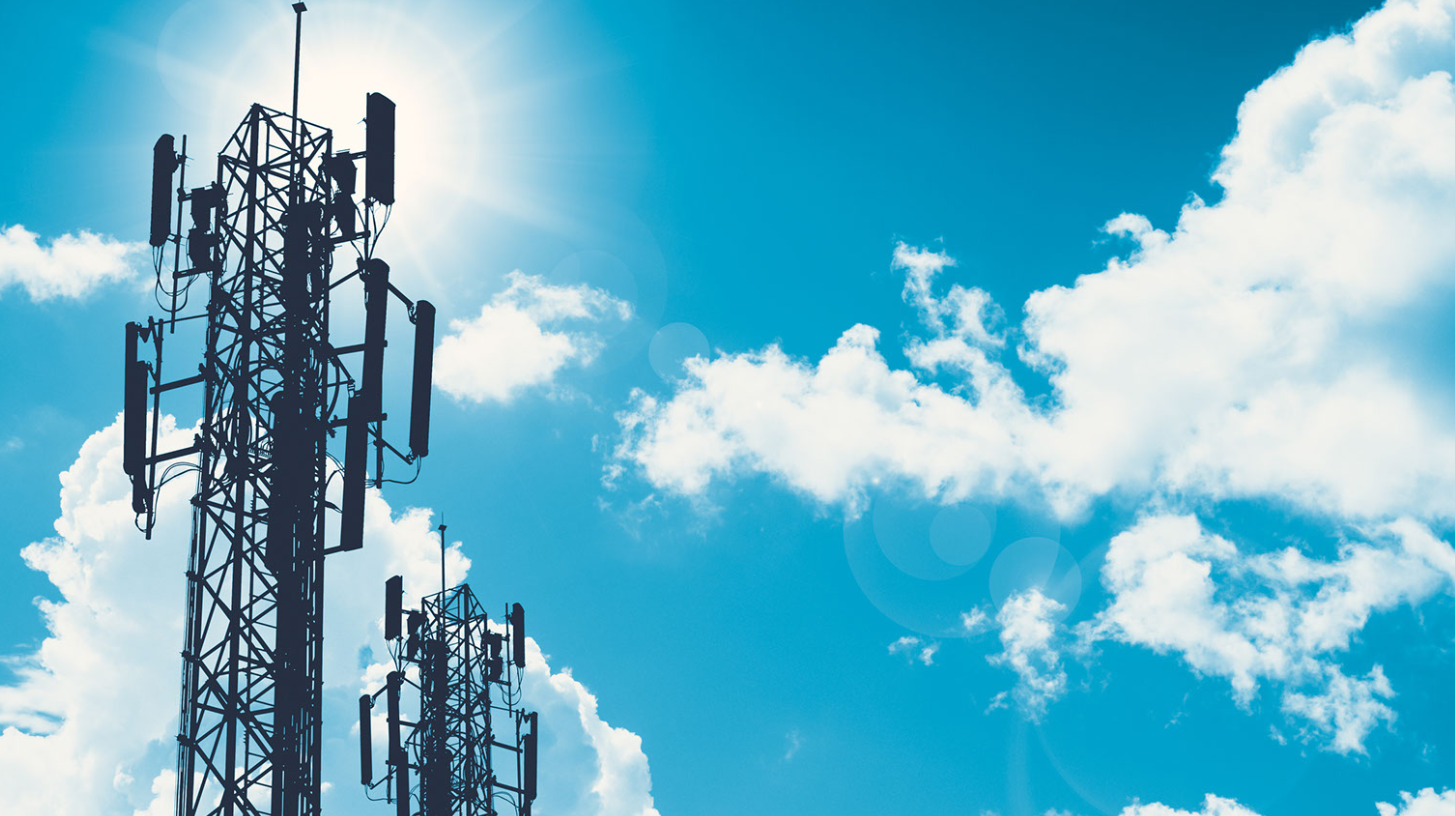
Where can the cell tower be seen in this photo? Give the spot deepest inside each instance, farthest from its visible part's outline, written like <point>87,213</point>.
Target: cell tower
<point>275,390</point>
<point>472,746</point>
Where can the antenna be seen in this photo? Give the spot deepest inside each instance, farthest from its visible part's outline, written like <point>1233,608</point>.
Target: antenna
<point>397,757</point>
<point>366,740</point>
<point>134,416</point>
<point>393,606</point>
<point>517,635</point>
<point>376,310</point>
<point>423,378</point>
<point>164,164</point>
<point>379,145</point>
<point>356,460</point>
<point>529,786</point>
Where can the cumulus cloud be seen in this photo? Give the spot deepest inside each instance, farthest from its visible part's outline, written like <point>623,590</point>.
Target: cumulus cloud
<point>69,266</point>
<point>85,707</point>
<point>523,337</point>
<point>1277,616</point>
<point>587,765</point>
<point>1029,640</point>
<point>89,723</point>
<point>164,798</point>
<point>828,429</point>
<point>1424,803</point>
<point>1266,346</point>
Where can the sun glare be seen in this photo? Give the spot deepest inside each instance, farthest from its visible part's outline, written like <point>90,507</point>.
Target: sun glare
<point>433,60</point>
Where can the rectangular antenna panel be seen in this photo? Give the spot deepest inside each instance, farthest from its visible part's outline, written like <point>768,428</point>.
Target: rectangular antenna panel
<point>397,756</point>
<point>356,463</point>
<point>376,310</point>
<point>517,635</point>
<point>393,606</point>
<point>423,378</point>
<point>366,741</point>
<point>379,144</point>
<point>164,163</point>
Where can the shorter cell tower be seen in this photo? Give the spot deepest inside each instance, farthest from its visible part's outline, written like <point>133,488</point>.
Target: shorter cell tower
<point>472,747</point>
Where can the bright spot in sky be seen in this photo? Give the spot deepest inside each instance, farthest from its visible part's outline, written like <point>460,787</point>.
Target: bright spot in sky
<point>447,67</point>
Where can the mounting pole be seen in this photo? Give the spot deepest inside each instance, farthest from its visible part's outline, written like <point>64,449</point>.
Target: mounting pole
<point>443,585</point>
<point>298,9</point>
<point>293,180</point>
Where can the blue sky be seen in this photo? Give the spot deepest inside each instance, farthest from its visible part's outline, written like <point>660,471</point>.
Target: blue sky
<point>745,560</point>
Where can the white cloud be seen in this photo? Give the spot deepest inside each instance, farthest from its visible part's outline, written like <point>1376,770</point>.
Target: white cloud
<point>1028,636</point>
<point>1212,806</point>
<point>86,707</point>
<point>588,767</point>
<point>1348,707</point>
<point>904,644</point>
<point>1271,345</point>
<point>69,266</point>
<point>1277,616</point>
<point>520,339</point>
<point>828,430</point>
<point>1424,803</point>
<point>974,621</point>
<point>89,723</point>
<point>915,649</point>
<point>164,799</point>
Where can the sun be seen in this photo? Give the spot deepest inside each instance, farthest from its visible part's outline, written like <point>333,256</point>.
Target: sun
<point>433,60</point>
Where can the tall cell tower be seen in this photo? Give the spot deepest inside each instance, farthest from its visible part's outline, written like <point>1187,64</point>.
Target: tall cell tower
<point>472,745</point>
<point>275,389</point>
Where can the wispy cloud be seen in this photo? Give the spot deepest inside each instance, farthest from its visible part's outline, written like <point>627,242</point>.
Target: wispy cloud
<point>795,741</point>
<point>915,649</point>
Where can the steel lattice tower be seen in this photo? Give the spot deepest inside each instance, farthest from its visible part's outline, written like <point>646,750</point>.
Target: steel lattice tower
<point>473,744</point>
<point>251,679</point>
<point>262,240</point>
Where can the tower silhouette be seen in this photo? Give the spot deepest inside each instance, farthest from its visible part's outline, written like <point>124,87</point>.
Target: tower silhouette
<point>275,391</point>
